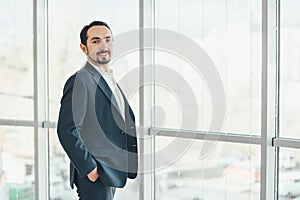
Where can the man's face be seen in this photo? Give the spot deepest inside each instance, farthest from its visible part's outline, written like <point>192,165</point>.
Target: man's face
<point>98,45</point>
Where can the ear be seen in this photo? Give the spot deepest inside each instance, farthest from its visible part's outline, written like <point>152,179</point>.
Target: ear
<point>84,48</point>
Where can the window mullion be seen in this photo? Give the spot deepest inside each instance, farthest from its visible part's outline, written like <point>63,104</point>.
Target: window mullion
<point>40,99</point>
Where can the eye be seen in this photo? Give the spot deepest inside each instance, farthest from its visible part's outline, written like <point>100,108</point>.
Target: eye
<point>95,41</point>
<point>108,40</point>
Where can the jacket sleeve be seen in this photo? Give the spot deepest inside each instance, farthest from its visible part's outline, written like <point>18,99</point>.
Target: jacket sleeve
<point>71,117</point>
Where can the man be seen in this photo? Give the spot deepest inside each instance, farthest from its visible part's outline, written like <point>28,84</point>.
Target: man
<point>96,125</point>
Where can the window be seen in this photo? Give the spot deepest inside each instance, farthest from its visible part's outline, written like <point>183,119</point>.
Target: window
<point>16,161</point>
<point>289,175</point>
<point>230,35</point>
<point>227,36</point>
<point>66,57</point>
<point>181,101</point>
<point>230,171</point>
<point>16,60</point>
<point>289,70</point>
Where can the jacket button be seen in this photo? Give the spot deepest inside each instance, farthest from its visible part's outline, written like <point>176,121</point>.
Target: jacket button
<point>124,150</point>
<point>122,132</point>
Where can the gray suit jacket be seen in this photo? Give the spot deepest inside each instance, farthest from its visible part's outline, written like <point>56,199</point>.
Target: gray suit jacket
<point>93,132</point>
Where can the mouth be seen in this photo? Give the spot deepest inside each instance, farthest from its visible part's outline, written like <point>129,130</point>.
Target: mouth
<point>103,53</point>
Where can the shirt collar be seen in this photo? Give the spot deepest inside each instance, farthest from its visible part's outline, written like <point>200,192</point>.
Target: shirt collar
<point>101,71</point>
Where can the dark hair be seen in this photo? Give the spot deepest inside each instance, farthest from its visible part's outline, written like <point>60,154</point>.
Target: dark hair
<point>83,33</point>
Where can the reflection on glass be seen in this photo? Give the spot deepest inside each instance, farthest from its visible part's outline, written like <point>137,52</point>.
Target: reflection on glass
<point>229,171</point>
<point>230,34</point>
<point>16,163</point>
<point>289,68</point>
<point>289,174</point>
<point>16,59</point>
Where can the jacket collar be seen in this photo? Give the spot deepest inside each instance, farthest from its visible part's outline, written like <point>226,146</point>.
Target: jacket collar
<point>101,83</point>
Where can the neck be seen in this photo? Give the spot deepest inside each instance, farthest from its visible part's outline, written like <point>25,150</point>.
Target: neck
<point>104,67</point>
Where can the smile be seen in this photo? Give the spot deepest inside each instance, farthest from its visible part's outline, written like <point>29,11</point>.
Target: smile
<point>103,53</point>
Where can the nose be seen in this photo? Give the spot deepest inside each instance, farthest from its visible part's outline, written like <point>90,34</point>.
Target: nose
<point>102,45</point>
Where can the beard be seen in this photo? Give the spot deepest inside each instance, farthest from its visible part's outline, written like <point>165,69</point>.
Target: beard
<point>103,61</point>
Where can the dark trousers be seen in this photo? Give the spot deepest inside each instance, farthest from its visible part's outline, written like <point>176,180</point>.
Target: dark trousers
<point>88,190</point>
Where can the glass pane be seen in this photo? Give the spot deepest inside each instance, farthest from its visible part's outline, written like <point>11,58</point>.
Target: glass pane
<point>289,174</point>
<point>66,57</point>
<point>130,191</point>
<point>229,171</point>
<point>229,33</point>
<point>289,69</point>
<point>16,163</point>
<point>59,170</point>
<point>16,59</point>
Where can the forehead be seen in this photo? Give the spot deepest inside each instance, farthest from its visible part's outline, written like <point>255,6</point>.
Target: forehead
<point>98,31</point>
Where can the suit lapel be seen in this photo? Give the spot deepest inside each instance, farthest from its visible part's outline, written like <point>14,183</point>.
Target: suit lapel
<point>101,83</point>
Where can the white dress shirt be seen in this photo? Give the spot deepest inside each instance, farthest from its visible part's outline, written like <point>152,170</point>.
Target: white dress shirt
<point>109,78</point>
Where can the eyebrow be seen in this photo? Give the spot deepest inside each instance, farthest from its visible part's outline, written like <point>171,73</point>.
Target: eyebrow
<point>97,38</point>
